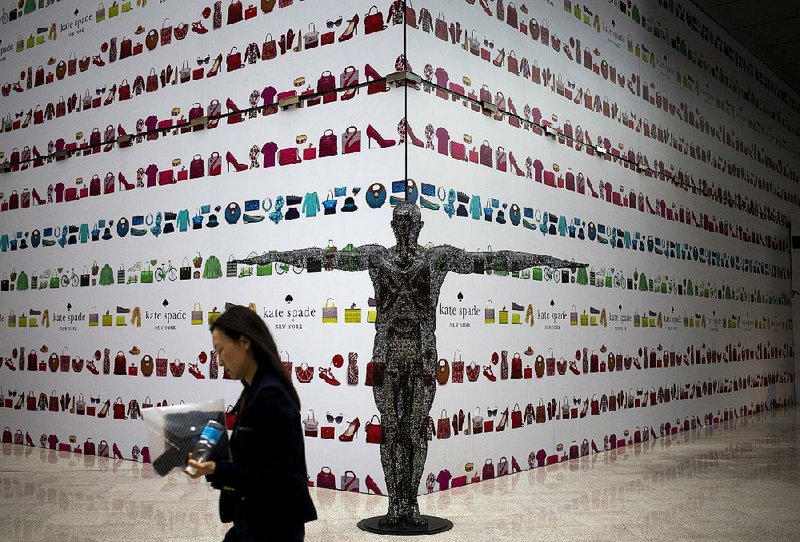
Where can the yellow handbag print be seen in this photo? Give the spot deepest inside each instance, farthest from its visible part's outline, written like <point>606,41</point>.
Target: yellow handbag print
<point>372,311</point>
<point>108,319</point>
<point>329,313</point>
<point>197,315</point>
<point>212,316</point>
<point>352,315</point>
<point>488,313</point>
<point>503,316</point>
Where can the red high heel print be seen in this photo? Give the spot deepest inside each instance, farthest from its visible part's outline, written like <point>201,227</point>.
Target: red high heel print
<point>414,139</point>
<point>232,161</point>
<point>38,161</point>
<point>514,164</point>
<point>351,431</point>
<point>372,133</point>
<point>352,28</point>
<point>372,486</point>
<point>198,27</point>
<point>215,66</point>
<point>377,86</point>
<point>123,182</point>
<point>487,372</point>
<point>232,108</point>
<point>117,452</point>
<point>37,199</point>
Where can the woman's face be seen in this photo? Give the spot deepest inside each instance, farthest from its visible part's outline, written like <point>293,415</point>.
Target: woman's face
<point>235,355</point>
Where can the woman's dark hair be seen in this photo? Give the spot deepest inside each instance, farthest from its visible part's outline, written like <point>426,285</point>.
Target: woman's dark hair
<point>238,321</point>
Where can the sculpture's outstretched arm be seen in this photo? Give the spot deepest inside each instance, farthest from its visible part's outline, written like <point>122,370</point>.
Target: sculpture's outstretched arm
<point>460,261</point>
<point>353,260</point>
<point>508,260</point>
<point>297,258</point>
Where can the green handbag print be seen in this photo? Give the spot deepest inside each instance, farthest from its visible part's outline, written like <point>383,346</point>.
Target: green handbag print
<point>147,275</point>
<point>54,282</point>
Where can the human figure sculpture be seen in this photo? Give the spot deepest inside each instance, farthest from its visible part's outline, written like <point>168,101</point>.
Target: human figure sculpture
<point>407,279</point>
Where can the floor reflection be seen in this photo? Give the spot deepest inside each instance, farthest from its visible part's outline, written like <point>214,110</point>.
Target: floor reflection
<point>733,480</point>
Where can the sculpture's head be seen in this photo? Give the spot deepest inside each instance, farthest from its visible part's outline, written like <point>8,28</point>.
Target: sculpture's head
<point>406,224</point>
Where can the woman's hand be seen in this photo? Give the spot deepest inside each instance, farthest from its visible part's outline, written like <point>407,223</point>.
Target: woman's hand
<point>201,469</point>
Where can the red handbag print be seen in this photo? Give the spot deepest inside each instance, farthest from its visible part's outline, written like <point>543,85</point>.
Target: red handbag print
<point>235,12</point>
<point>486,154</point>
<point>234,59</point>
<point>166,32</point>
<point>440,28</point>
<point>516,417</point>
<point>289,156</point>
<point>197,167</point>
<point>375,373</point>
<point>152,81</point>
<point>269,50</point>
<point>473,371</point>
<point>327,144</point>
<point>326,479</point>
<point>457,369</point>
<point>373,22</point>
<point>374,430</point>
<point>488,470</point>
<point>119,409</point>
<point>443,427</point>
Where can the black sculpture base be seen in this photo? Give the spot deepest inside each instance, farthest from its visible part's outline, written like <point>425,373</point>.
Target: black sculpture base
<point>435,526</point>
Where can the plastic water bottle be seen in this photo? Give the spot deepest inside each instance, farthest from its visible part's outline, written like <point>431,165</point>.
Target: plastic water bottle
<point>209,437</point>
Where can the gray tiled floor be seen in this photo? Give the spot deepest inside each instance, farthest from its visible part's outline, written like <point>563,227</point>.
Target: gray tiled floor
<point>734,481</point>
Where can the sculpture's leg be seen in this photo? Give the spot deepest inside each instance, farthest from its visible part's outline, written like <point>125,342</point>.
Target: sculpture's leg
<point>421,405</point>
<point>385,400</point>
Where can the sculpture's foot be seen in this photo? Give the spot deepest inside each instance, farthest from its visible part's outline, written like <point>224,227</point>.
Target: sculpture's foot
<point>392,517</point>
<point>413,517</point>
<point>389,520</point>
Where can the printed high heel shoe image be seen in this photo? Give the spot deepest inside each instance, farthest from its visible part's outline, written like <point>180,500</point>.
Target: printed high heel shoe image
<point>352,28</point>
<point>377,85</point>
<point>351,431</point>
<point>232,161</point>
<point>233,112</point>
<point>372,134</point>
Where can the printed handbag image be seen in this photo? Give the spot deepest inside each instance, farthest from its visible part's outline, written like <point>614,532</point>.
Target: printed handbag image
<point>373,22</point>
<point>269,49</point>
<point>235,12</point>
<point>516,417</point>
<point>374,374</point>
<point>329,312</point>
<point>151,41</point>
<point>327,83</point>
<point>440,28</point>
<point>443,372</point>
<point>327,144</point>
<point>374,430</point>
<point>311,38</point>
<point>326,479</point>
<point>147,365</point>
<point>289,156</point>
<point>166,32</point>
<point>443,427</point>
<point>488,470</point>
<point>197,314</point>
<point>486,154</point>
<point>234,59</point>
<point>351,140</point>
<point>352,315</point>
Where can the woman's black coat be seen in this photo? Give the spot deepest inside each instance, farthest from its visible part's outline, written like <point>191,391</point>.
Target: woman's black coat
<point>265,480</point>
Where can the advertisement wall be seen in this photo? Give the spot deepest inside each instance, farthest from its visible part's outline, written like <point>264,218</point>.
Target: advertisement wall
<point>626,138</point>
